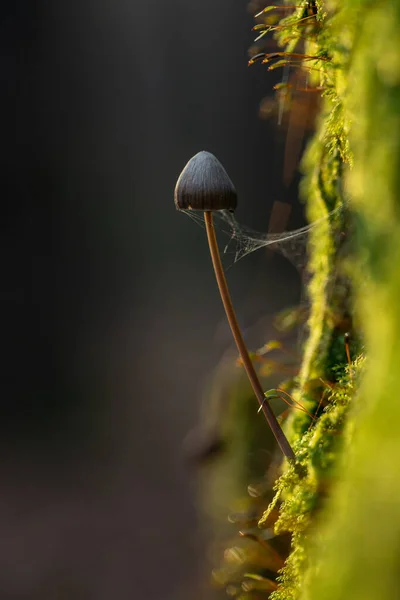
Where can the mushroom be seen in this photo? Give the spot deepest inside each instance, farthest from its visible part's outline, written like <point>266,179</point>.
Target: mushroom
<point>205,185</point>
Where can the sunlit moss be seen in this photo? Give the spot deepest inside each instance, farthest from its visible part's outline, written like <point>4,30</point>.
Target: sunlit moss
<point>305,486</point>
<point>339,500</point>
<point>362,520</point>
<point>349,548</point>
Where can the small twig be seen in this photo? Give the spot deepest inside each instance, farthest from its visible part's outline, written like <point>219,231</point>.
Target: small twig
<point>318,407</point>
<point>295,403</point>
<point>347,346</point>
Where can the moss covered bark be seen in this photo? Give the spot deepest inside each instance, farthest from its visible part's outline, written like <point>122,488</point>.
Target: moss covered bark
<point>340,501</point>
<point>346,534</point>
<point>357,552</point>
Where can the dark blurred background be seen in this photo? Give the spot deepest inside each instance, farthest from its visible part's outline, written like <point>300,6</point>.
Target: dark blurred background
<point>110,318</point>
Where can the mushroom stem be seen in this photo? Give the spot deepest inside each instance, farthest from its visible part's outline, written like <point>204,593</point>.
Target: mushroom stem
<point>231,316</point>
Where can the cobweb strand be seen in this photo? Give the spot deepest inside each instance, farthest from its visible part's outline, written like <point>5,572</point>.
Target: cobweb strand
<point>244,240</point>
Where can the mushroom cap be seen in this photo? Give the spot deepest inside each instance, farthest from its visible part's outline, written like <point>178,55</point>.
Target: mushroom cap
<point>205,185</point>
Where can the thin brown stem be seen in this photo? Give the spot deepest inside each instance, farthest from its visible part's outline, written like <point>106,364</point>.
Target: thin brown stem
<point>347,346</point>
<point>237,334</point>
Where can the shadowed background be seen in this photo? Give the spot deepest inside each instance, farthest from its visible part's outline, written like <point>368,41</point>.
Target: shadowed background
<point>110,314</point>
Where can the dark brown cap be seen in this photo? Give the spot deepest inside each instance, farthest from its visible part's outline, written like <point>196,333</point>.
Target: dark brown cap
<point>205,185</point>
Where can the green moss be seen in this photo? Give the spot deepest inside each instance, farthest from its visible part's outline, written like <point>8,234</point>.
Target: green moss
<point>323,166</point>
<point>349,459</point>
<point>362,519</point>
<point>306,484</point>
<point>339,500</point>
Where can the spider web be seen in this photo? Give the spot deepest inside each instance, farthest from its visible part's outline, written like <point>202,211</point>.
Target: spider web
<point>243,240</point>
